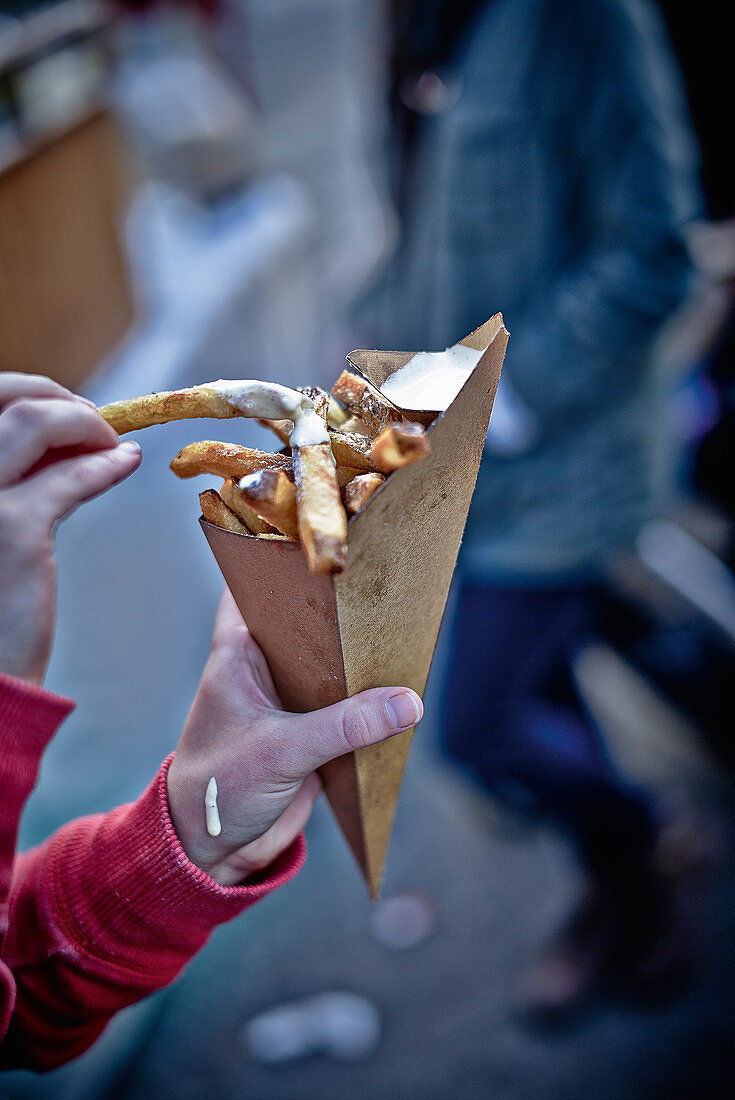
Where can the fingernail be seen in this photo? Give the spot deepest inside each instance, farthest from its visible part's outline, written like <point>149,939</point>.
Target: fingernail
<point>87,402</point>
<point>130,445</point>
<point>402,711</point>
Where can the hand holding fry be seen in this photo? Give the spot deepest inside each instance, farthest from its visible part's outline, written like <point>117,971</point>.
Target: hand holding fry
<point>263,759</point>
<point>56,452</point>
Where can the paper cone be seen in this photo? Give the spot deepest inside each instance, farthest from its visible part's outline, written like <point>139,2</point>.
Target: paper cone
<point>375,625</point>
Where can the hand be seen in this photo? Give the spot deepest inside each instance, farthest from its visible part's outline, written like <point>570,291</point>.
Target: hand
<point>56,451</point>
<point>264,760</point>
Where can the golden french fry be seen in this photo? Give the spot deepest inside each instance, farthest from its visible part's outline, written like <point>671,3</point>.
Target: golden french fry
<point>350,449</point>
<point>221,399</point>
<point>225,459</point>
<point>322,520</point>
<point>349,390</point>
<point>319,398</point>
<point>357,492</point>
<point>160,408</point>
<point>366,404</point>
<point>273,495</point>
<point>399,445</point>
<point>216,511</point>
<point>234,499</point>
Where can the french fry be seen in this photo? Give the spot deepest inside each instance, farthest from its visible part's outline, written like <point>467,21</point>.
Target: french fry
<point>365,403</point>
<point>234,499</point>
<point>319,398</point>
<point>357,492</point>
<point>357,427</point>
<point>336,413</point>
<point>399,445</point>
<point>225,459</point>
<point>160,408</point>
<point>349,390</point>
<point>282,428</point>
<point>215,511</point>
<point>322,521</point>
<point>273,496</point>
<point>353,450</point>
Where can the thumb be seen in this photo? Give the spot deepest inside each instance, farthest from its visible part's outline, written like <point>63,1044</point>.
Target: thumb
<point>365,719</point>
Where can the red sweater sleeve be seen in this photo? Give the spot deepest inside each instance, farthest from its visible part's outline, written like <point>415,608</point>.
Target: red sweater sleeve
<point>103,913</point>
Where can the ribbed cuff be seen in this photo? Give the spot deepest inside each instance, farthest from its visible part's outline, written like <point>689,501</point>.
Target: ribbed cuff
<point>29,718</point>
<point>126,892</point>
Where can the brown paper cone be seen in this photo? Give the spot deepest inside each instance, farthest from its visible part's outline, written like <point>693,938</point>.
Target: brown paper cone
<point>376,625</point>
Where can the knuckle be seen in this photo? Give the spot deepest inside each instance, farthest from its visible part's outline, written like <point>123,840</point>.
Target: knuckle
<point>23,414</point>
<point>360,727</point>
<point>91,469</point>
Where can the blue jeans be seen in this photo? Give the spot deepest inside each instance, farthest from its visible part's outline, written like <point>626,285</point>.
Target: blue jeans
<point>513,717</point>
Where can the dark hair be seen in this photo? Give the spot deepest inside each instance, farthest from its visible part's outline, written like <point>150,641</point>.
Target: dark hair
<point>427,33</point>
<point>425,37</point>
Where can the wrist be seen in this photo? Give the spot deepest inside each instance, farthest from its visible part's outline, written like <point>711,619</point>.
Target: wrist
<point>13,664</point>
<point>188,817</point>
<point>227,864</point>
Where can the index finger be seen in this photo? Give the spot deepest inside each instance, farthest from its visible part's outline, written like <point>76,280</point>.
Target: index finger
<point>14,385</point>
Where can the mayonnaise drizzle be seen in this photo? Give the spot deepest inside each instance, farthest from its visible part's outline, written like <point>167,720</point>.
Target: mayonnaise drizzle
<point>431,380</point>
<point>214,825</point>
<point>269,401</point>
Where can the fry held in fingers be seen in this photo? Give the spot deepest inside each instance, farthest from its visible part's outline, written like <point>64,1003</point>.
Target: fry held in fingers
<point>161,408</point>
<point>215,511</point>
<point>225,459</point>
<point>222,400</point>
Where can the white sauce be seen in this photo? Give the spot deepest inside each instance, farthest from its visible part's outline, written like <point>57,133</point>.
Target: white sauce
<point>431,380</point>
<point>269,401</point>
<point>250,480</point>
<point>214,825</point>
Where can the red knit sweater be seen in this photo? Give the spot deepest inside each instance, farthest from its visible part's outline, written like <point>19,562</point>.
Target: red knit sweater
<point>104,912</point>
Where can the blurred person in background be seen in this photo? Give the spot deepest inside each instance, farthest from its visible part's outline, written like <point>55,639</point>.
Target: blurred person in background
<point>543,166</point>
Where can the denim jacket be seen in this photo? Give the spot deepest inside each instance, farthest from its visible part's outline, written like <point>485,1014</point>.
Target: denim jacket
<point>553,188</point>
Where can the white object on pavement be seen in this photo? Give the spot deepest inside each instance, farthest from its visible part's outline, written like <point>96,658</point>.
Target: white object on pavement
<point>341,1025</point>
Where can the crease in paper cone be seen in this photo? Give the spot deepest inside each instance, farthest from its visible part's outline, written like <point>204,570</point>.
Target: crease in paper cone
<point>376,624</point>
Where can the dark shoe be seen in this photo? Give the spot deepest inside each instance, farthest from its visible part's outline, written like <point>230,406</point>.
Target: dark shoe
<point>633,937</point>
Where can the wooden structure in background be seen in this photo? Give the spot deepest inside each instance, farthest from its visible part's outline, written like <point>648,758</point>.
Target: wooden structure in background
<point>65,299</point>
